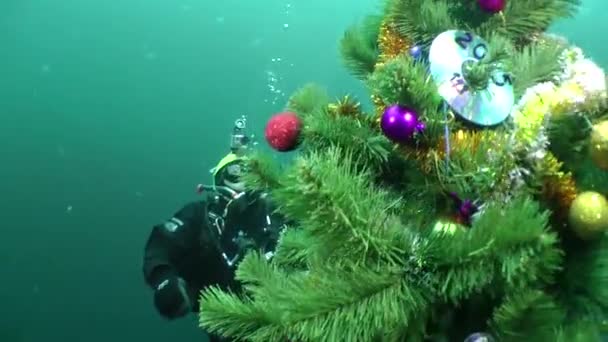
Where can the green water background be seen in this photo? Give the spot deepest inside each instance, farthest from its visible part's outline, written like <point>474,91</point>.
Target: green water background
<point>112,111</point>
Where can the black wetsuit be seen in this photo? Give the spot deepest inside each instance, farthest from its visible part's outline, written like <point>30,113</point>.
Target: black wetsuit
<point>189,246</point>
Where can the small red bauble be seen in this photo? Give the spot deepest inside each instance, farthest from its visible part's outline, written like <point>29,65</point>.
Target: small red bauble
<point>283,131</point>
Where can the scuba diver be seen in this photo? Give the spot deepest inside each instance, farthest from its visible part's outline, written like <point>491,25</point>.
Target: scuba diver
<point>203,242</point>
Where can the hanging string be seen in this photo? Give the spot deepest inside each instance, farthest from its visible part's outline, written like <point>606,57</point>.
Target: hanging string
<point>446,129</point>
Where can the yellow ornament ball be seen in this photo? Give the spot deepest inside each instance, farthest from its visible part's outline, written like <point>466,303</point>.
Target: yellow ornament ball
<point>598,145</point>
<point>588,215</point>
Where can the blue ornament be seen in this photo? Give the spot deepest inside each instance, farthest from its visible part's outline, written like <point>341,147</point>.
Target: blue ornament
<point>416,51</point>
<point>479,337</point>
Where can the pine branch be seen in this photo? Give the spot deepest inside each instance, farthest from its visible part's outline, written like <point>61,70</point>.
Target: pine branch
<point>402,176</point>
<point>405,82</point>
<point>355,305</point>
<point>500,49</point>
<point>230,315</point>
<point>308,99</point>
<point>359,48</point>
<point>578,330</point>
<point>584,286</point>
<point>569,142</point>
<point>329,304</point>
<point>339,206</point>
<point>359,300</point>
<point>477,167</point>
<point>322,131</point>
<point>422,20</point>
<point>527,315</point>
<point>534,64</point>
<point>507,246</point>
<point>294,249</point>
<point>263,174</point>
<point>568,135</point>
<point>589,176</point>
<point>526,18</point>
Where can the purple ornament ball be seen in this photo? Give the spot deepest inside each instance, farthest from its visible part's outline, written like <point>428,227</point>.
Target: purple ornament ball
<point>492,6</point>
<point>400,124</point>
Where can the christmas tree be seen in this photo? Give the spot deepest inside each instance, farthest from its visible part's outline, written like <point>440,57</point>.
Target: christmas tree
<point>468,203</point>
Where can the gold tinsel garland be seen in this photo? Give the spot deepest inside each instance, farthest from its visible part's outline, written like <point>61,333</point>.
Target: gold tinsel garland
<point>559,187</point>
<point>461,141</point>
<point>540,38</point>
<point>346,106</point>
<point>391,44</point>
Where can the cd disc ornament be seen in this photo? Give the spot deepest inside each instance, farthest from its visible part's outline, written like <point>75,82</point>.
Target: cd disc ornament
<point>451,54</point>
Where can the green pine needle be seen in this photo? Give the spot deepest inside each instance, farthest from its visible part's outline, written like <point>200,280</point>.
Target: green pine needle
<point>307,99</point>
<point>568,136</point>
<point>507,245</point>
<point>527,315</point>
<point>294,249</point>
<point>589,176</point>
<point>534,64</point>
<point>584,287</point>
<point>473,172</point>
<point>264,173</point>
<point>338,204</point>
<point>523,18</point>
<point>359,47</point>
<point>578,330</point>
<point>229,315</point>
<point>422,20</point>
<point>322,131</point>
<point>403,81</point>
<point>327,304</point>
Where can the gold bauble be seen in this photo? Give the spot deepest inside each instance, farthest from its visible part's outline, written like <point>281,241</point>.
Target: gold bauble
<point>598,145</point>
<point>588,215</point>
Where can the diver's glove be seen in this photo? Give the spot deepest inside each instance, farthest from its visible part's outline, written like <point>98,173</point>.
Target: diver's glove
<point>171,298</point>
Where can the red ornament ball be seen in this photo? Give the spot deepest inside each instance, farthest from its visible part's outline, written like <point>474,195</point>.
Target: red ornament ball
<point>492,6</point>
<point>283,131</point>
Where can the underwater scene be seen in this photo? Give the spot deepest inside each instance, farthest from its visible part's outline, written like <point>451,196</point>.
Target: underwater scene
<point>281,170</point>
